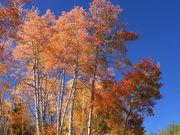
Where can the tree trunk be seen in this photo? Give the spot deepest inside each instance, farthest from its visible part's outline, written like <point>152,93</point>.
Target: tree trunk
<point>126,120</point>
<point>22,126</point>
<point>60,100</point>
<point>41,100</point>
<point>92,91</point>
<point>36,94</point>
<point>44,104</point>
<point>1,99</point>
<point>82,122</point>
<point>65,109</point>
<point>71,112</point>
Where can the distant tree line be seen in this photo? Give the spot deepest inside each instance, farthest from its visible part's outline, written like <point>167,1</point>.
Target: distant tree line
<point>172,129</point>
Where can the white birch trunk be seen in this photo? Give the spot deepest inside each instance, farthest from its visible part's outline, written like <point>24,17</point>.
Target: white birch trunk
<point>59,101</point>
<point>65,110</point>
<point>36,95</point>
<point>73,98</point>
<point>72,106</point>
<point>92,91</point>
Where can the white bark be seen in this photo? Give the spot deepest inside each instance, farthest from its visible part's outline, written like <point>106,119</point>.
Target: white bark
<point>36,94</point>
<point>65,110</point>
<point>72,106</point>
<point>92,91</point>
<point>71,111</point>
<point>59,101</point>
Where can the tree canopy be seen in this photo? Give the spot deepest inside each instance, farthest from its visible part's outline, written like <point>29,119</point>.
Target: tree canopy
<point>71,75</point>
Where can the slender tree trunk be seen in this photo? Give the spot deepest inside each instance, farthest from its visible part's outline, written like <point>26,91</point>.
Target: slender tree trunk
<point>41,99</point>
<point>126,124</point>
<point>82,122</point>
<point>36,94</point>
<point>126,120</point>
<point>71,112</point>
<point>6,130</point>
<point>22,126</point>
<point>92,91</point>
<point>44,104</point>
<point>1,99</point>
<point>65,109</point>
<point>58,104</point>
<point>60,100</point>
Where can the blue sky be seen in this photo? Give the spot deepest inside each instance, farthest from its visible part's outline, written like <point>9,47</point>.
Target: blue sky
<point>158,25</point>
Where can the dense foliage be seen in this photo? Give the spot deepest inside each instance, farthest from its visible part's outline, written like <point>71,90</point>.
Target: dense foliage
<point>71,75</point>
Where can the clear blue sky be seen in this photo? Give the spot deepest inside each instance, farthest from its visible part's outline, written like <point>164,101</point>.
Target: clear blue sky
<point>158,24</point>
